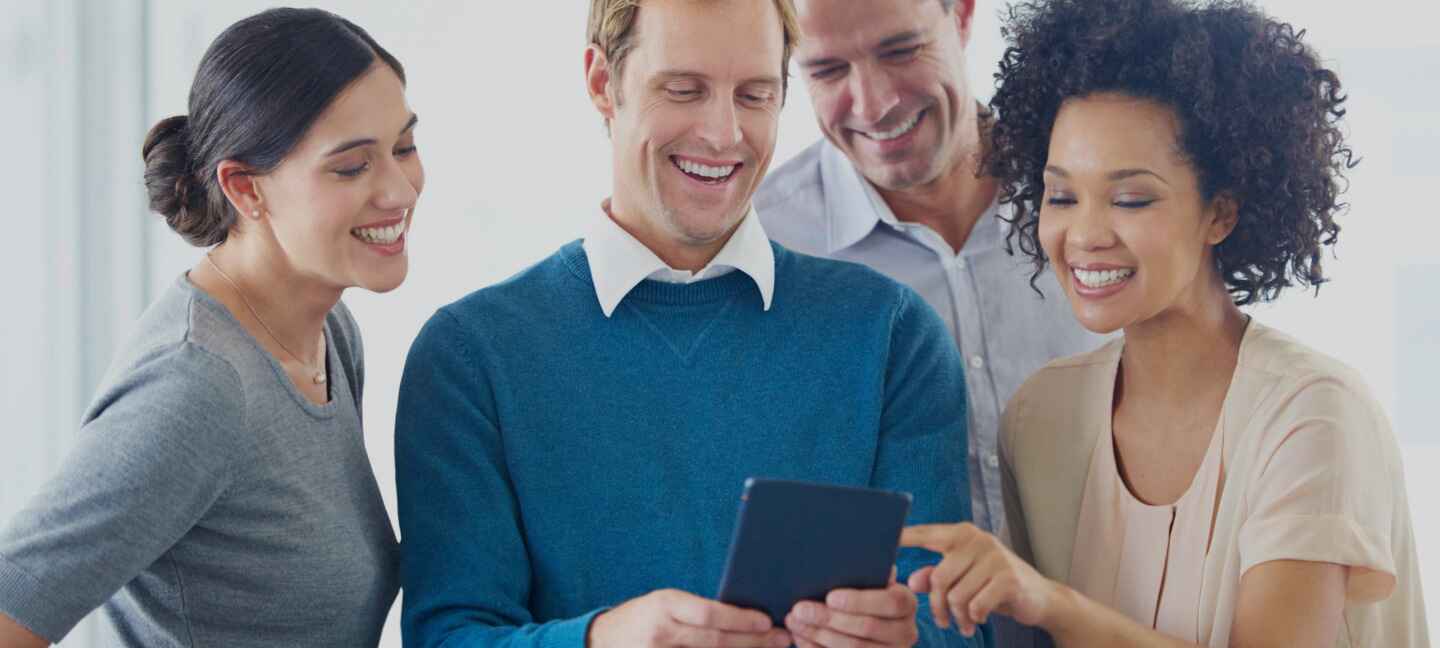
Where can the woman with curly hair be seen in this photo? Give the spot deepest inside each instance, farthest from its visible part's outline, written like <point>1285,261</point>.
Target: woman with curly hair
<point>1204,480</point>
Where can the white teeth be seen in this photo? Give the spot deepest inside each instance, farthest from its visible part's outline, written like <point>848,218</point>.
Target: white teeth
<point>898,130</point>
<point>704,171</point>
<point>1102,278</point>
<point>381,235</point>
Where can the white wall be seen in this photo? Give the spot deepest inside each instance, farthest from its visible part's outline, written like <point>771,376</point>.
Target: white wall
<point>75,254</point>
<point>517,162</point>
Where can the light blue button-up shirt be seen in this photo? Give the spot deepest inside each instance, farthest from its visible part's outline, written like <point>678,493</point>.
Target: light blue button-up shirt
<point>819,204</point>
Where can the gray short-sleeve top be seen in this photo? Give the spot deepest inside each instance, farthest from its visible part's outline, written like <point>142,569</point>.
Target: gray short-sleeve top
<point>207,501</point>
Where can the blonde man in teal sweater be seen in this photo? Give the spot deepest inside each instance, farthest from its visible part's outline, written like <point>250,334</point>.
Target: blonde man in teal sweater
<point>571,443</point>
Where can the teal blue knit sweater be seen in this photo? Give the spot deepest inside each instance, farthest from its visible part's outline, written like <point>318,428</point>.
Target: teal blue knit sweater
<point>553,462</point>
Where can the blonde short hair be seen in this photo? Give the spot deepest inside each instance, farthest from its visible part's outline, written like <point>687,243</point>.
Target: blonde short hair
<point>612,29</point>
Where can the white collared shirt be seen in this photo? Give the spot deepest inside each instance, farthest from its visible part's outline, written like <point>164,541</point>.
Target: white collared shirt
<point>619,261</point>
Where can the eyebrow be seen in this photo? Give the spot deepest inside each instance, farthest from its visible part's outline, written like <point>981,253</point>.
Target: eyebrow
<point>414,119</point>
<point>898,39</point>
<point>1119,174</point>
<point>666,75</point>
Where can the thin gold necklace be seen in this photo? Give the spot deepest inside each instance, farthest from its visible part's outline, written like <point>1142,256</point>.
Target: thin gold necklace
<point>319,372</point>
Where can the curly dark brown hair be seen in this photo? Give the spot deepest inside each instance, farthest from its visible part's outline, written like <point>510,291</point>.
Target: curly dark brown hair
<point>1259,120</point>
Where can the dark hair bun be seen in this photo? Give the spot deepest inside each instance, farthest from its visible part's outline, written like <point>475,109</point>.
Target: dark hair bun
<point>172,187</point>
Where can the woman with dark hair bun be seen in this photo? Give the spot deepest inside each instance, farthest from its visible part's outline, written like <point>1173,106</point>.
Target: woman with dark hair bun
<point>1204,479</point>
<point>220,493</point>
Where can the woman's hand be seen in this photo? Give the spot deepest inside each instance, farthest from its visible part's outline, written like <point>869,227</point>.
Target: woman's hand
<point>977,575</point>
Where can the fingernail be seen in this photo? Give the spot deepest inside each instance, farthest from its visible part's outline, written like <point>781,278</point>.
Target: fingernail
<point>805,613</point>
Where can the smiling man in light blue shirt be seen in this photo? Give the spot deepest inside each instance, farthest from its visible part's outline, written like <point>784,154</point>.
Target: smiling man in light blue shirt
<point>893,185</point>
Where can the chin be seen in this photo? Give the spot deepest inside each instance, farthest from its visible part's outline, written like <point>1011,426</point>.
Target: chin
<point>384,283</point>
<point>902,175</point>
<point>705,226</point>
<point>1100,326</point>
<point>1101,320</point>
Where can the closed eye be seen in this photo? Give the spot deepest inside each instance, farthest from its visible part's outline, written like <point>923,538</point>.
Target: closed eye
<point>755,99</point>
<point>354,171</point>
<point>902,54</point>
<point>827,72</point>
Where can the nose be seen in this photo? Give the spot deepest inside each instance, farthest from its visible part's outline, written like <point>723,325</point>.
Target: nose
<point>1089,227</point>
<point>719,125</point>
<point>395,188</point>
<point>873,95</point>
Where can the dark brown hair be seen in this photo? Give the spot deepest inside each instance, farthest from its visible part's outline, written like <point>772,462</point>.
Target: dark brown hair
<point>259,88</point>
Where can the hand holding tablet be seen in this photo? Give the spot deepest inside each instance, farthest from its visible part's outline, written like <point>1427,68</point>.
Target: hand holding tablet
<point>836,546</point>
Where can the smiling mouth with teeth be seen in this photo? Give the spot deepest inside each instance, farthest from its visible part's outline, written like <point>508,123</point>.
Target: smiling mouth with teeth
<point>900,130</point>
<point>380,235</point>
<point>705,173</point>
<point>1101,278</point>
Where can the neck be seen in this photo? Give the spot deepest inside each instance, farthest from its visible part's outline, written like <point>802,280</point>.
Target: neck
<point>291,306</point>
<point>676,252</point>
<point>952,203</point>
<point>1185,353</point>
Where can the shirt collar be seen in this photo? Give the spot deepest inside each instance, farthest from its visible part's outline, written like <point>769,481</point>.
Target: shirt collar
<point>619,261</point>
<point>852,215</point>
<point>856,207</point>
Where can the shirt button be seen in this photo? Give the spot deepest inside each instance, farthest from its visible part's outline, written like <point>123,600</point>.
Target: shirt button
<point>993,461</point>
<point>959,263</point>
<point>977,362</point>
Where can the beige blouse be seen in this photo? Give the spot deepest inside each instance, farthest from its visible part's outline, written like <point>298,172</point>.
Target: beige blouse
<point>1141,559</point>
<point>1303,466</point>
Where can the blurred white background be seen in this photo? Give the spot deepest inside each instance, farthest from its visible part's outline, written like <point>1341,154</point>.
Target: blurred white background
<point>517,162</point>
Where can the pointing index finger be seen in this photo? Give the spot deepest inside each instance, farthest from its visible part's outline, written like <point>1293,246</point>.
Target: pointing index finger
<point>934,537</point>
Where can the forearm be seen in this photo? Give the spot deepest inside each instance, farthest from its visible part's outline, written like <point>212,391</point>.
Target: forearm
<point>1076,621</point>
<point>559,633</point>
<point>14,635</point>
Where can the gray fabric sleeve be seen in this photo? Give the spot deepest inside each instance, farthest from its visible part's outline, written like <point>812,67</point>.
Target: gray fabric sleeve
<point>155,453</point>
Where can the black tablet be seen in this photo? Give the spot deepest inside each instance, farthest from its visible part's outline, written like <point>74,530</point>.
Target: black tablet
<point>796,541</point>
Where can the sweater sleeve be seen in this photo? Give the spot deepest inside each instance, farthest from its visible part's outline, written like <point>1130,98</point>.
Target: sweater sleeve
<point>464,566</point>
<point>155,453</point>
<point>923,440</point>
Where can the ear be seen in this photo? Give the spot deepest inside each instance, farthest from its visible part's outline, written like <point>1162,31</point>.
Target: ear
<point>240,187</point>
<point>964,11</point>
<point>1224,215</point>
<point>597,82</point>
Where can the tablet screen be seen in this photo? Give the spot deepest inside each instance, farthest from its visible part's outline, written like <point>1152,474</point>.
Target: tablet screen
<point>797,541</point>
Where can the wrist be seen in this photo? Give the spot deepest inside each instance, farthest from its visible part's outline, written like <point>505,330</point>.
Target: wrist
<point>594,634</point>
<point>1063,612</point>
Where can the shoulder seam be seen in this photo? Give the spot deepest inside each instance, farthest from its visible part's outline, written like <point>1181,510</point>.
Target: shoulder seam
<point>231,372</point>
